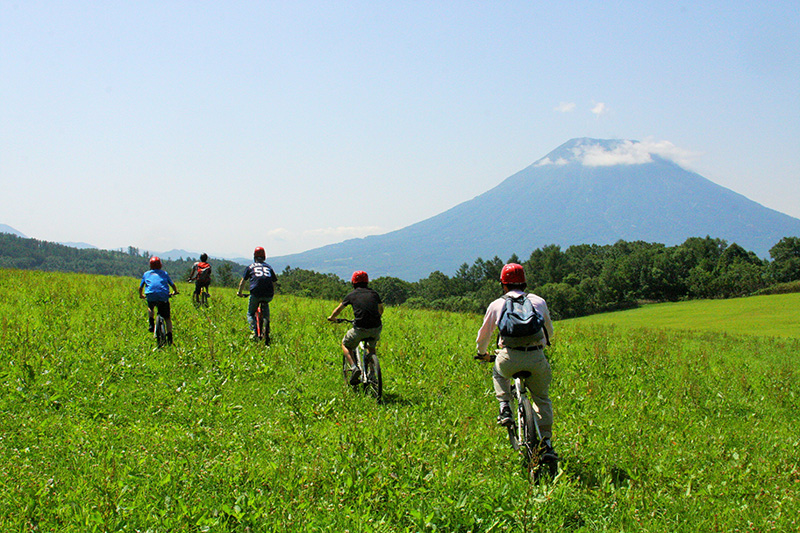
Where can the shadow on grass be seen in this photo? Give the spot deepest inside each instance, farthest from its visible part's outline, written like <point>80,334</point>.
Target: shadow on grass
<point>591,474</point>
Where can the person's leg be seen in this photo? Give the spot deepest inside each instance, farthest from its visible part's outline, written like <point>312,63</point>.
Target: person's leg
<point>539,386</point>
<point>251,313</point>
<point>151,323</point>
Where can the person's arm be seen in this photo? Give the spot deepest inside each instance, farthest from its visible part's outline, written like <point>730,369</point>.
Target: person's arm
<point>241,287</point>
<point>487,328</point>
<point>336,311</point>
<point>141,290</point>
<point>380,309</point>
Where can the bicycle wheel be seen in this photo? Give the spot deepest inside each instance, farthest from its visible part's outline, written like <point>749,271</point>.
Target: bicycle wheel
<point>528,431</point>
<point>204,298</point>
<point>345,370</point>
<point>374,380</point>
<point>161,331</point>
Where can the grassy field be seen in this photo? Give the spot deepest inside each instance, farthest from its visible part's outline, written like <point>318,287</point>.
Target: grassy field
<point>772,316</point>
<point>658,429</point>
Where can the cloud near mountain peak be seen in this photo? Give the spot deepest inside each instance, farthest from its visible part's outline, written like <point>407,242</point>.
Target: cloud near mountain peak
<point>630,153</point>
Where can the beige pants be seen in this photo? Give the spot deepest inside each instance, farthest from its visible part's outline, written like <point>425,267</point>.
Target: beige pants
<point>510,361</point>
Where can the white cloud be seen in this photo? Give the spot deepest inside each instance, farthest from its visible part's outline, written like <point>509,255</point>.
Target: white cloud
<point>547,161</point>
<point>600,109</point>
<point>632,153</point>
<point>565,107</point>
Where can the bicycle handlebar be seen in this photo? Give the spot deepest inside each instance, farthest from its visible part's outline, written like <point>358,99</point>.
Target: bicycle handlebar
<point>340,320</point>
<point>485,358</point>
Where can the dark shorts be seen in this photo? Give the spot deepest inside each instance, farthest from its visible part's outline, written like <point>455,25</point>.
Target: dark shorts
<point>162,308</point>
<point>200,285</point>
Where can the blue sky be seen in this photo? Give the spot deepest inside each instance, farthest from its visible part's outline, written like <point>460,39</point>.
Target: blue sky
<point>212,126</point>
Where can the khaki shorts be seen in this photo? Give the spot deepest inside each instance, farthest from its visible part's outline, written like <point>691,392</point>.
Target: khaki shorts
<point>356,335</point>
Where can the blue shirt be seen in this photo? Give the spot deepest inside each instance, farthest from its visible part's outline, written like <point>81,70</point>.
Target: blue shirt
<point>156,285</point>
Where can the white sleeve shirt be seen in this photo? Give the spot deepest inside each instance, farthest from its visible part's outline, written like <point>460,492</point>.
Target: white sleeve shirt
<point>492,317</point>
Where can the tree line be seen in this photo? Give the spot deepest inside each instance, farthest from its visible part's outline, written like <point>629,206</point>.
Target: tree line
<point>32,254</point>
<point>587,278</point>
<point>581,280</point>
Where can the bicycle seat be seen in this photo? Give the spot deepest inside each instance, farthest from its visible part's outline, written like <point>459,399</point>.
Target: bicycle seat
<point>523,374</point>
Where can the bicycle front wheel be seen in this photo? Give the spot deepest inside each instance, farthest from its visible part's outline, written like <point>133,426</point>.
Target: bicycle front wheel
<point>374,379</point>
<point>345,370</point>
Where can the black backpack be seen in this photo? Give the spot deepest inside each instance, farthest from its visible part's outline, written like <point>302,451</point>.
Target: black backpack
<point>520,323</point>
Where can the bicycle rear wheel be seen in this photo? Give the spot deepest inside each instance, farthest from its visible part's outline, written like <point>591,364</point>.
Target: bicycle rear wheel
<point>374,379</point>
<point>528,431</point>
<point>204,298</point>
<point>161,331</point>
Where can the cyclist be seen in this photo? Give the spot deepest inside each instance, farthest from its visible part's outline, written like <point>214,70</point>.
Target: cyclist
<point>154,288</point>
<point>262,280</point>
<point>367,312</point>
<point>511,360</point>
<point>201,275</point>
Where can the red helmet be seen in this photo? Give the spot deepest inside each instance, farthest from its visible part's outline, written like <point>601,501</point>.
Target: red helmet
<point>359,276</point>
<point>512,274</point>
<point>155,263</point>
<point>259,253</point>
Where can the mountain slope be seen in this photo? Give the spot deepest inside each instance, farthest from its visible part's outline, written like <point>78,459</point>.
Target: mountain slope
<point>585,191</point>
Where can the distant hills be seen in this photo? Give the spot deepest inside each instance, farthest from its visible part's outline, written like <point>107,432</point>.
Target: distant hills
<point>4,228</point>
<point>589,191</point>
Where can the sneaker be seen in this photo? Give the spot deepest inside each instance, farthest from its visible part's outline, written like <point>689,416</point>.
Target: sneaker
<point>505,418</point>
<point>355,377</point>
<point>546,452</point>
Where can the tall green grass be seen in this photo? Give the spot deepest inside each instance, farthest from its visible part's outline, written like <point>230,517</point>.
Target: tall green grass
<point>658,430</point>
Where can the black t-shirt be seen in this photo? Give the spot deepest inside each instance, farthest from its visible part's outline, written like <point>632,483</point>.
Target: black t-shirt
<point>365,303</point>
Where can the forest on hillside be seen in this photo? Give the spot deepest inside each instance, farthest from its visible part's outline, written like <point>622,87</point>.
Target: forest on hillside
<point>588,278</point>
<point>578,281</point>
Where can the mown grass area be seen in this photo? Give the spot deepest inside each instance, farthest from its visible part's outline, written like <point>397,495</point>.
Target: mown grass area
<point>772,316</point>
<point>658,431</point>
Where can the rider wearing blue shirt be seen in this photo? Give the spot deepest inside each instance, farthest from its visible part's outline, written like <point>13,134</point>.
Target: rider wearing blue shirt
<point>154,288</point>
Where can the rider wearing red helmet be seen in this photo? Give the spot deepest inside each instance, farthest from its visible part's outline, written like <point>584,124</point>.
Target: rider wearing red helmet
<point>154,288</point>
<point>262,280</point>
<point>367,323</point>
<point>527,355</point>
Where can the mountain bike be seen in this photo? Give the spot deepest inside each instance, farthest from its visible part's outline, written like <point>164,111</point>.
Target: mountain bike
<point>371,380</point>
<point>524,434</point>
<point>262,324</point>
<point>160,331</point>
<point>160,327</point>
<point>204,297</point>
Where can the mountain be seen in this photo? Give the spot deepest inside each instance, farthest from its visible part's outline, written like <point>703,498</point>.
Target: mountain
<point>79,245</point>
<point>8,229</point>
<point>587,191</point>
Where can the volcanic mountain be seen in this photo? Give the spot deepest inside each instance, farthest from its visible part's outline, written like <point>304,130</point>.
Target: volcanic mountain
<point>587,191</point>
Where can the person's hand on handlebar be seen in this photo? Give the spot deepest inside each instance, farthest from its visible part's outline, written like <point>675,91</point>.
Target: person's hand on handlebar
<point>484,357</point>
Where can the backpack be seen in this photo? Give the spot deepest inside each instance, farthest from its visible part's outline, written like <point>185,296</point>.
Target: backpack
<point>520,323</point>
<point>203,272</point>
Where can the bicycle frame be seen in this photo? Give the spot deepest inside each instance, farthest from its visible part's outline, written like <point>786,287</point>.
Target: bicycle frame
<point>262,331</point>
